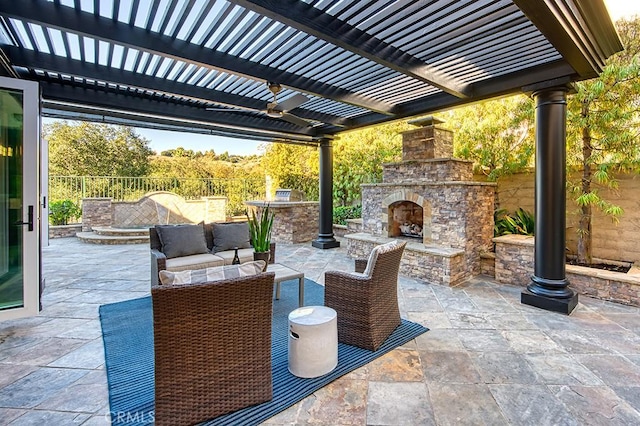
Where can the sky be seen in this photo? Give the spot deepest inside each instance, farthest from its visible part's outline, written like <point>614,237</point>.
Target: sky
<point>622,8</point>
<point>161,140</point>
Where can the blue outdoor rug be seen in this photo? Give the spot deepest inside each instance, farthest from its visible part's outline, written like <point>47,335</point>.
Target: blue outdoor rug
<point>127,329</point>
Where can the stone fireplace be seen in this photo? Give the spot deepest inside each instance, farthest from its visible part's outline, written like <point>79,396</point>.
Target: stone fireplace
<point>430,200</point>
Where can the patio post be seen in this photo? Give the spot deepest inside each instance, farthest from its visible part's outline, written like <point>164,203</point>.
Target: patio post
<point>549,286</point>
<point>325,238</point>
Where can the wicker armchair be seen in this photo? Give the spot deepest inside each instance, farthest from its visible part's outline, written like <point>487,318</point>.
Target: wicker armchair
<point>367,305</point>
<point>212,348</point>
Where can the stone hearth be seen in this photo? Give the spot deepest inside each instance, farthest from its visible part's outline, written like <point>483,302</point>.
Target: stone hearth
<point>430,200</point>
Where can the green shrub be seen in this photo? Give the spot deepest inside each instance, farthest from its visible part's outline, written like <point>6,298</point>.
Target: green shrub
<point>521,222</point>
<point>342,213</point>
<point>61,211</point>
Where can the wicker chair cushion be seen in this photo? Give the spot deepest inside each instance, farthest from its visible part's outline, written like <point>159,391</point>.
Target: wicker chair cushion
<point>227,236</point>
<point>182,240</point>
<point>217,273</point>
<point>383,248</point>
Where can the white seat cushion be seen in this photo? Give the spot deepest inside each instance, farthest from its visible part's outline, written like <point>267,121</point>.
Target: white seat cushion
<point>195,261</point>
<point>217,273</point>
<point>245,255</point>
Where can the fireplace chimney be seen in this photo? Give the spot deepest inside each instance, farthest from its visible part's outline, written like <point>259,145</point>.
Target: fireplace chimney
<point>427,142</point>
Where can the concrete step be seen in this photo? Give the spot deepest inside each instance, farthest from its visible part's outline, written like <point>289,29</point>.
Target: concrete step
<point>94,238</point>
<point>121,232</point>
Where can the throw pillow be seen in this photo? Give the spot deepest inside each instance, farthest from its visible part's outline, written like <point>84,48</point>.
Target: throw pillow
<point>374,255</point>
<point>199,276</point>
<point>182,240</point>
<point>227,236</point>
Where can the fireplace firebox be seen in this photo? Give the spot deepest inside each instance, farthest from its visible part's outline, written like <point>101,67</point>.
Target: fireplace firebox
<point>406,219</point>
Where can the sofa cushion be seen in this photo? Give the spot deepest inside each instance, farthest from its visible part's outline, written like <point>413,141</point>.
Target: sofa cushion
<point>227,236</point>
<point>245,255</point>
<point>196,261</point>
<point>182,240</point>
<point>211,274</point>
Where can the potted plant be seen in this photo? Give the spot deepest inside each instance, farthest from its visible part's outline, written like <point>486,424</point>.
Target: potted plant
<point>260,232</point>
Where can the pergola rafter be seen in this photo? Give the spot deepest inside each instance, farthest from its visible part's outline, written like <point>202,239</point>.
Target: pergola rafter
<point>310,20</point>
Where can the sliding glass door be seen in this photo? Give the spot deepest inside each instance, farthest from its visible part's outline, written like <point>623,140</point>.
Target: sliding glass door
<point>19,199</point>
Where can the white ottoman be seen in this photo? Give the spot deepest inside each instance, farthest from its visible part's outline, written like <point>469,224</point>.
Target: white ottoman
<point>313,341</point>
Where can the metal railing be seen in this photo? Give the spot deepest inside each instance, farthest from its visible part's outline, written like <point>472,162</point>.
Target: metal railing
<point>75,188</point>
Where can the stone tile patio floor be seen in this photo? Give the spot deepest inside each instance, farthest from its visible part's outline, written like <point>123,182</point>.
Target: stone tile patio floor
<point>487,359</point>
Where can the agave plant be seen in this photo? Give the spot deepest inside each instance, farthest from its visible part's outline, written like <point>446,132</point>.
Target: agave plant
<point>260,229</point>
<point>521,222</point>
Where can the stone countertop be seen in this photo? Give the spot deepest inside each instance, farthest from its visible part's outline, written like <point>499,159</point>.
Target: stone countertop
<point>411,245</point>
<point>280,204</point>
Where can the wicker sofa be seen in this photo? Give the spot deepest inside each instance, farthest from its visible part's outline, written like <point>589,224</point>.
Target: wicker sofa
<point>216,253</point>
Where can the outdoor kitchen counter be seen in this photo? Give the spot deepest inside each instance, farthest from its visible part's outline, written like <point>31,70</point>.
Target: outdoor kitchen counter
<point>294,221</point>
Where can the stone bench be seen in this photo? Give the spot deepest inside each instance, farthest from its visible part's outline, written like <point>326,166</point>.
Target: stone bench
<point>434,263</point>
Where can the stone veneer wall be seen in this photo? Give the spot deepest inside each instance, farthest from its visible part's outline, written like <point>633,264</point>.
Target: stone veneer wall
<point>435,170</point>
<point>96,212</point>
<point>152,209</point>
<point>514,265</point>
<point>294,222</point>
<point>64,231</point>
<point>354,225</point>
<point>436,265</point>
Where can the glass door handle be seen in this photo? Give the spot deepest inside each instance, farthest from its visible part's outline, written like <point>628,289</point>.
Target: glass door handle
<point>30,217</point>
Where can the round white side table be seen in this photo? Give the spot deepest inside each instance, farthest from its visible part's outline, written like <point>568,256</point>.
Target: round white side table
<point>313,341</point>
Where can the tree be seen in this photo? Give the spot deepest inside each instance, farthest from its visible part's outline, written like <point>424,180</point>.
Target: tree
<point>293,166</point>
<point>358,158</point>
<point>89,149</point>
<point>602,133</point>
<point>497,135</point>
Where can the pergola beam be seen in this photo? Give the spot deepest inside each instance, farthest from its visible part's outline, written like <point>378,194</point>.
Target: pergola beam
<point>58,64</point>
<point>508,84</point>
<point>95,26</point>
<point>310,20</point>
<point>113,101</point>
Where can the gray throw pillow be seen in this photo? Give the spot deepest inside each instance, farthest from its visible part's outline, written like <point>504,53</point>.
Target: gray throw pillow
<point>227,236</point>
<point>182,240</point>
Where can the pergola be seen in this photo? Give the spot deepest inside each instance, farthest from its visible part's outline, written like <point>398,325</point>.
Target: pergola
<point>203,66</point>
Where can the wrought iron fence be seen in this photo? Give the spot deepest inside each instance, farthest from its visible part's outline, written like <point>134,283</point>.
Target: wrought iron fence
<point>75,188</point>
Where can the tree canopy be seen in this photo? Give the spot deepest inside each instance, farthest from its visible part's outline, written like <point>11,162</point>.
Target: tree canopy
<point>358,158</point>
<point>292,166</point>
<point>497,135</point>
<point>90,149</point>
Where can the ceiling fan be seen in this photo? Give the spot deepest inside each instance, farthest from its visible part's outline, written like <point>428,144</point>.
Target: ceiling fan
<point>275,109</point>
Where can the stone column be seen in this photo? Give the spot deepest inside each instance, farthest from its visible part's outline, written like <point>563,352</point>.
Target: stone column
<point>325,238</point>
<point>549,286</point>
<point>96,212</point>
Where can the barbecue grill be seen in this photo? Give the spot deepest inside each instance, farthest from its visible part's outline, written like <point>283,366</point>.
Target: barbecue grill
<point>289,195</point>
